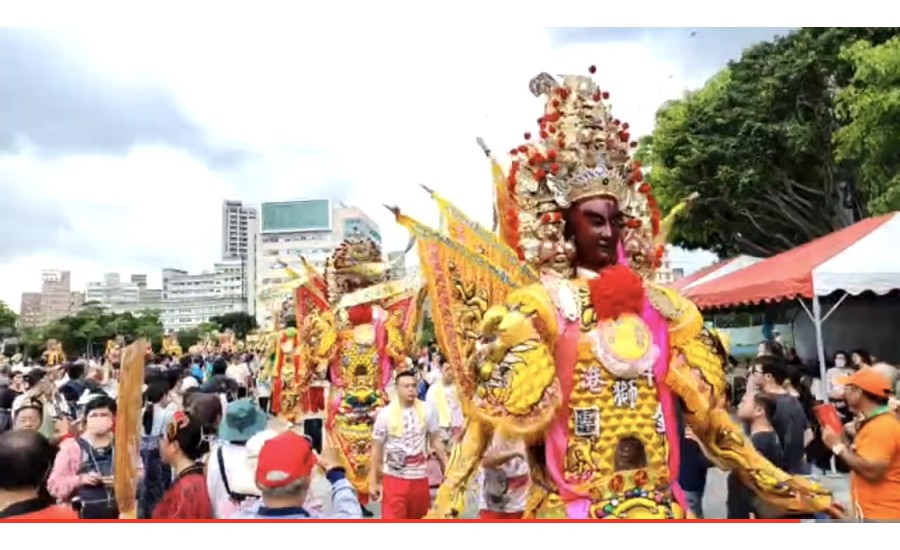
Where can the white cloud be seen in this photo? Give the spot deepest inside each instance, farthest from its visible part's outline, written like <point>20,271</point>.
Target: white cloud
<point>371,115</point>
<point>150,209</point>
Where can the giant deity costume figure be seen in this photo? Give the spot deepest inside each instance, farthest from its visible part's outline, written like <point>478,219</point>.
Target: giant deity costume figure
<point>170,346</point>
<point>354,326</point>
<point>53,356</point>
<point>278,348</point>
<point>280,351</point>
<point>114,348</point>
<point>228,342</point>
<point>558,333</point>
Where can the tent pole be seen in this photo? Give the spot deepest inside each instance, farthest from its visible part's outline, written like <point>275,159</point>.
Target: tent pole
<point>820,345</point>
<point>820,348</point>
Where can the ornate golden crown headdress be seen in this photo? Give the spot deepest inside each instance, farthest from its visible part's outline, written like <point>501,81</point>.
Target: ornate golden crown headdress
<point>355,258</point>
<point>580,152</point>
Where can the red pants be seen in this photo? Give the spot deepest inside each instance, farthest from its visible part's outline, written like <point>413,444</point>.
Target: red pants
<point>404,498</point>
<point>489,515</point>
<point>313,400</point>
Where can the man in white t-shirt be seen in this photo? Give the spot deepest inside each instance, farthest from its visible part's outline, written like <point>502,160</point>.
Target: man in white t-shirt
<point>506,479</point>
<point>239,371</point>
<point>400,439</point>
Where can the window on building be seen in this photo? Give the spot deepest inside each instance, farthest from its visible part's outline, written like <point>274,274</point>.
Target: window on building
<point>354,227</point>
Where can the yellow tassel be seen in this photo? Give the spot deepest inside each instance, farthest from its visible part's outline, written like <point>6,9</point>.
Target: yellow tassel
<point>666,225</point>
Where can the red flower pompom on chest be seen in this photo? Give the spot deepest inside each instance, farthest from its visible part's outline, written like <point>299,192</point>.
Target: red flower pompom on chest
<point>617,291</point>
<point>360,315</point>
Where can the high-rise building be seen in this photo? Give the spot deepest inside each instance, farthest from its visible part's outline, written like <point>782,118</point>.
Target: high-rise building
<point>250,265</point>
<point>118,296</point>
<point>111,291</point>
<point>169,274</point>
<point>30,314</point>
<point>56,294</point>
<point>192,299</point>
<point>54,301</point>
<point>185,299</point>
<point>311,228</point>
<point>236,229</point>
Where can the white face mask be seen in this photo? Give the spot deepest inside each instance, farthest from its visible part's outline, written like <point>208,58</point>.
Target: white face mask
<point>840,362</point>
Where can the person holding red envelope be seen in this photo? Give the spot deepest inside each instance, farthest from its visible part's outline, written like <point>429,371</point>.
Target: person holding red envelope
<point>874,457</point>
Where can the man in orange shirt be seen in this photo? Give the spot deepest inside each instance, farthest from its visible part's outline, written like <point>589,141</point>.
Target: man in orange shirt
<point>27,457</point>
<point>874,457</point>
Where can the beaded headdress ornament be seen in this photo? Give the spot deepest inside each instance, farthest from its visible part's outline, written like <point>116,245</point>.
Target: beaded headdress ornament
<point>355,262</point>
<point>580,152</point>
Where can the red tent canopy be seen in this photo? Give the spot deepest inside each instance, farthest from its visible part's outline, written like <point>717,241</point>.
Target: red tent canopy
<point>785,276</point>
<point>697,275</point>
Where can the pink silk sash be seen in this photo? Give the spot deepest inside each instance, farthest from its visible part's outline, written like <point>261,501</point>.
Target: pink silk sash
<point>577,504</point>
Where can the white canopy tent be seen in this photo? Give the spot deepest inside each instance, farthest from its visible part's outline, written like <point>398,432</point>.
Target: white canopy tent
<point>871,264</point>
<point>857,259</point>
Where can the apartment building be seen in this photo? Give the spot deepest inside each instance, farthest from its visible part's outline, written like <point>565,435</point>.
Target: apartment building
<point>120,296</point>
<point>311,228</point>
<point>30,314</point>
<point>192,299</point>
<point>237,229</point>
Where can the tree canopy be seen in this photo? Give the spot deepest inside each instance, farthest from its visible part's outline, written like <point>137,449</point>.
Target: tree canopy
<point>871,139</point>
<point>768,149</point>
<point>88,330</point>
<point>240,322</point>
<point>427,337</point>
<point>7,320</point>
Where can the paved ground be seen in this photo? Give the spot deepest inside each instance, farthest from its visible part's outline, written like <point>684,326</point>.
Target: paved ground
<point>716,492</point>
<point>713,502</point>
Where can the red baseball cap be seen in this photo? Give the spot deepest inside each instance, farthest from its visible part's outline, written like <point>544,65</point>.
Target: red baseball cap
<point>284,459</point>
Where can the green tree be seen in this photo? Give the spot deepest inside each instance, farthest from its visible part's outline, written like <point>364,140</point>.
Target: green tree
<point>187,338</point>
<point>871,139</point>
<point>427,336</point>
<point>114,326</point>
<point>756,143</point>
<point>148,325</point>
<point>8,319</point>
<point>242,323</point>
<point>90,332</point>
<point>207,328</point>
<point>87,330</point>
<point>32,341</point>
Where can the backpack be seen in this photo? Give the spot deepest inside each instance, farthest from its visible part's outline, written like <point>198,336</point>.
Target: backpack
<point>98,501</point>
<point>237,498</point>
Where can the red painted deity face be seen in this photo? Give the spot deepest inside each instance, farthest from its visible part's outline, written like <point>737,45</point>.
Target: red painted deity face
<point>595,224</point>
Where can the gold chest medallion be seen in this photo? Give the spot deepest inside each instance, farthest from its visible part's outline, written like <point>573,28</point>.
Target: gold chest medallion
<point>624,346</point>
<point>364,334</point>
